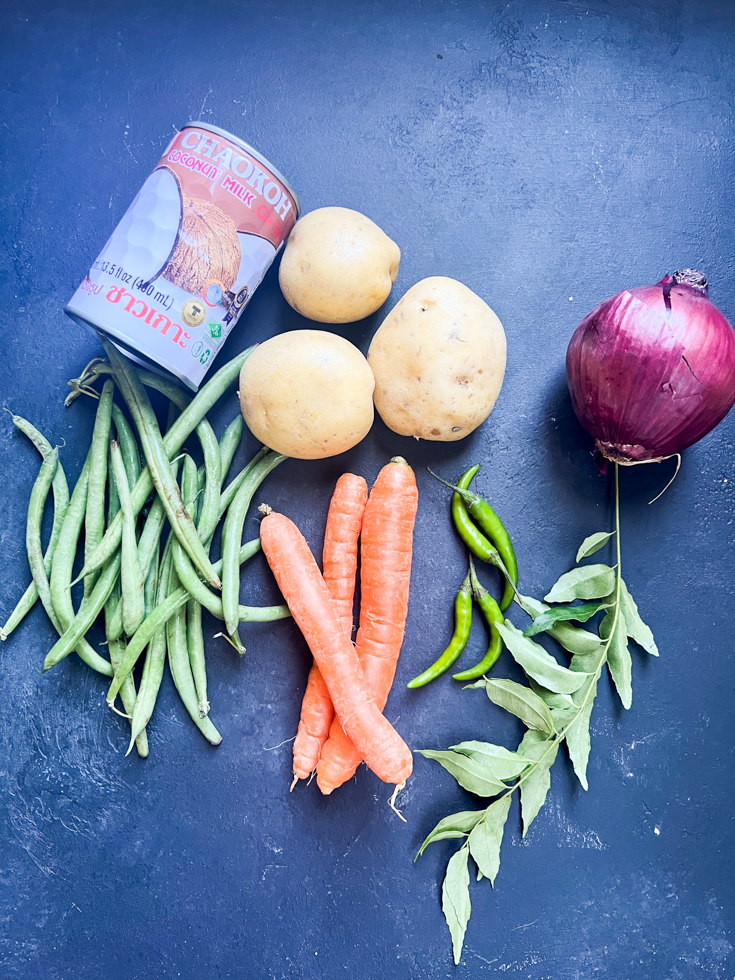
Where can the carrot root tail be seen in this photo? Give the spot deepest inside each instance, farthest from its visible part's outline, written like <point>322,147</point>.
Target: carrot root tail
<point>295,780</point>
<point>392,801</point>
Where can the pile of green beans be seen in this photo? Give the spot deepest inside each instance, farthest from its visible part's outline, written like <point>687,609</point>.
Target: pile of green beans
<point>146,540</point>
<point>486,538</point>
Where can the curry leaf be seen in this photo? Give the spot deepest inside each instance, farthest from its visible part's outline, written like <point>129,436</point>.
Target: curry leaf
<point>635,627</point>
<point>576,640</point>
<point>618,655</point>
<point>536,785</point>
<point>456,899</point>
<point>539,664</point>
<point>522,703</point>
<point>549,698</point>
<point>469,773</point>
<point>578,737</point>
<point>580,613</point>
<point>593,543</point>
<point>487,836</point>
<point>587,582</point>
<point>573,639</point>
<point>455,825</point>
<point>502,763</point>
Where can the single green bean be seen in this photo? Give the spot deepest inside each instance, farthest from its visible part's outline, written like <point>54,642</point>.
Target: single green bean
<point>462,626</point>
<point>232,536</point>
<point>158,463</point>
<point>113,497</point>
<point>197,661</point>
<point>86,615</point>
<point>503,555</point>
<point>61,570</point>
<point>209,510</point>
<point>131,577</point>
<point>66,549</point>
<point>128,694</point>
<point>61,501</point>
<point>194,634</point>
<point>162,612</point>
<point>228,494</point>
<point>33,532</point>
<point>117,652</point>
<point>59,486</point>
<point>151,582</point>
<point>178,661</point>
<point>229,442</point>
<point>155,659</point>
<point>128,445</point>
<point>153,528</point>
<point>493,617</point>
<point>149,540</point>
<point>174,439</point>
<point>94,523</point>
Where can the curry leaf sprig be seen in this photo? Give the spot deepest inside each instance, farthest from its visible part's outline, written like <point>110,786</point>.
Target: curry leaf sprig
<point>555,707</point>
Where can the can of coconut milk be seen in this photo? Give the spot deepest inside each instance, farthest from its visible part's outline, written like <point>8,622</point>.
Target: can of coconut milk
<point>188,254</point>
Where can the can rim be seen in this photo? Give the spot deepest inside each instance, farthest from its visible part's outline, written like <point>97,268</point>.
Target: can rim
<point>249,149</point>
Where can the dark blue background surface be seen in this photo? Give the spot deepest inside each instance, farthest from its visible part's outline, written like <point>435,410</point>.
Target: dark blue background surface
<point>547,154</point>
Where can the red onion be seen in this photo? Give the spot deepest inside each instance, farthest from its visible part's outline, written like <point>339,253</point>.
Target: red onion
<point>652,370</point>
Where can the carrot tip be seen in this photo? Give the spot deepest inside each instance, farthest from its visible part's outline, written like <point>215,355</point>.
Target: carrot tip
<point>265,510</point>
<point>295,780</point>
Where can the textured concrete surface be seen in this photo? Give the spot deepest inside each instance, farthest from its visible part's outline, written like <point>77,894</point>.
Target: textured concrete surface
<point>547,154</point>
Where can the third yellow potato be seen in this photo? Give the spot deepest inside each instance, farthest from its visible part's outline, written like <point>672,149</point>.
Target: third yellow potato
<point>438,360</point>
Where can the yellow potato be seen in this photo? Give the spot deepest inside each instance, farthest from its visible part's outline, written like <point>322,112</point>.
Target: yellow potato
<point>307,393</point>
<point>338,266</point>
<point>438,360</point>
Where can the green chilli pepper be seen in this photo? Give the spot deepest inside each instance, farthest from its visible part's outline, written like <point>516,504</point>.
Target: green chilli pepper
<point>468,506</point>
<point>493,617</point>
<point>462,625</point>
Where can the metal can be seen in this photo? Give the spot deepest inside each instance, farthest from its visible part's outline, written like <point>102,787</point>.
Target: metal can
<point>189,253</point>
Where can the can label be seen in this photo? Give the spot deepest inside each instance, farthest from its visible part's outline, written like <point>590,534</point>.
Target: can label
<point>189,253</point>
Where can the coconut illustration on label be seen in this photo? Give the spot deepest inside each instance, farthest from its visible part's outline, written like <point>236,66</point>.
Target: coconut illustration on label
<point>207,249</point>
<point>190,251</point>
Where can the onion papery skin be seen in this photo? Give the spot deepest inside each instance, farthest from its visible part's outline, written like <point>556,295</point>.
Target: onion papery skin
<point>652,370</point>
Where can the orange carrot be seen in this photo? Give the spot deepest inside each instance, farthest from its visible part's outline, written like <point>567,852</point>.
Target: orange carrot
<point>387,538</point>
<point>339,564</point>
<point>311,605</point>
